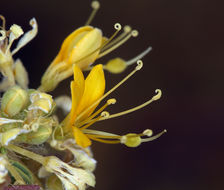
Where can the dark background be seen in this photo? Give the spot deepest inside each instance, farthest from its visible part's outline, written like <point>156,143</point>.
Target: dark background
<point>186,63</point>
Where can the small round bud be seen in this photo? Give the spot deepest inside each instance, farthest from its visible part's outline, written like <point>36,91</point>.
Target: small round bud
<point>13,101</point>
<point>116,65</point>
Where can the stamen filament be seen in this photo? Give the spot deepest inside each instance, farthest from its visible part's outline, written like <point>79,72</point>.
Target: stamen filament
<point>154,137</point>
<point>137,68</point>
<point>110,101</point>
<point>103,141</point>
<point>95,132</point>
<point>134,33</point>
<point>95,5</point>
<point>156,97</point>
<point>95,120</point>
<point>127,29</point>
<point>140,56</point>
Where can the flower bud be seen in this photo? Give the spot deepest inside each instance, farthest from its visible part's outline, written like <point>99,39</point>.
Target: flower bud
<point>40,136</point>
<point>14,100</point>
<point>81,47</point>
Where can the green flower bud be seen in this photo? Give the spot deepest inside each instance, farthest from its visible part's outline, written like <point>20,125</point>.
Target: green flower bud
<point>14,101</point>
<point>38,137</point>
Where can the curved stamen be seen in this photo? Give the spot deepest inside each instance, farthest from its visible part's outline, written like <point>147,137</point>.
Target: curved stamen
<point>154,137</point>
<point>109,102</point>
<point>95,5</point>
<point>127,29</point>
<point>102,140</point>
<point>133,33</point>
<point>154,98</point>
<point>103,114</point>
<point>137,68</point>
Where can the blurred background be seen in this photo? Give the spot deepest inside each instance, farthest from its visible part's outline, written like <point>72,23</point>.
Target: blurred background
<point>186,63</point>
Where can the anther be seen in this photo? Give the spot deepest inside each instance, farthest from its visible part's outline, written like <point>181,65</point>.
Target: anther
<point>127,28</point>
<point>105,114</point>
<point>139,65</point>
<point>154,137</point>
<point>147,132</point>
<point>111,101</point>
<point>134,33</point>
<point>16,30</point>
<point>95,5</point>
<point>158,95</point>
<point>118,26</point>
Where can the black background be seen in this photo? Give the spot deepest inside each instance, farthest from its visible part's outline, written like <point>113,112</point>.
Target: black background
<point>186,63</point>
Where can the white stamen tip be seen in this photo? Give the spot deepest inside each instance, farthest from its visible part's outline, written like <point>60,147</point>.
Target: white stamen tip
<point>134,33</point>
<point>139,65</point>
<point>158,95</point>
<point>105,114</point>
<point>117,26</point>
<point>148,132</point>
<point>95,4</point>
<point>111,101</point>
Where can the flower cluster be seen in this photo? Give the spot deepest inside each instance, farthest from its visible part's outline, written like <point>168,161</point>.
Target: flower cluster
<point>29,125</point>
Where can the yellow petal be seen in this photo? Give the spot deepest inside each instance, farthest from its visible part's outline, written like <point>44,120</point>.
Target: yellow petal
<point>85,47</point>
<point>94,89</point>
<point>70,42</point>
<point>80,138</point>
<point>77,90</point>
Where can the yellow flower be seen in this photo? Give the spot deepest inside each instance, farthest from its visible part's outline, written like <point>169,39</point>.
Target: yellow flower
<point>81,47</point>
<point>86,95</point>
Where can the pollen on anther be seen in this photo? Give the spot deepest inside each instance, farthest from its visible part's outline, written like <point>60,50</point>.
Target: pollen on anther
<point>105,114</point>
<point>111,101</point>
<point>147,132</point>
<point>95,5</point>
<point>134,33</point>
